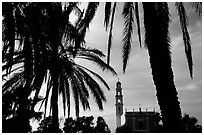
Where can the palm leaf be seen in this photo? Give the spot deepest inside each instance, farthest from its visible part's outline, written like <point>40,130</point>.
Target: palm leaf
<point>67,96</point>
<point>8,33</point>
<point>83,92</point>
<point>84,24</point>
<point>93,51</point>
<point>62,91</point>
<point>186,38</point>
<point>198,7</point>
<point>97,61</point>
<point>97,76</point>
<point>95,89</point>
<point>110,33</point>
<point>107,14</point>
<point>13,83</point>
<point>74,84</point>
<point>138,22</point>
<point>127,32</point>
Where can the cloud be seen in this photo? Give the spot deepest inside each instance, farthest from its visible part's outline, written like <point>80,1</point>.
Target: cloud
<point>192,86</point>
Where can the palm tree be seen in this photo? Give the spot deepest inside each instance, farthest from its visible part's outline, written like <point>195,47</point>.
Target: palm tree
<point>157,41</point>
<point>47,46</point>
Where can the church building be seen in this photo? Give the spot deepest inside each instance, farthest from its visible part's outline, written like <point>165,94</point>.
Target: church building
<point>136,121</point>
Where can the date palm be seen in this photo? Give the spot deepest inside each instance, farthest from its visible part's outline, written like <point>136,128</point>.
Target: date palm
<point>40,45</point>
<point>157,41</point>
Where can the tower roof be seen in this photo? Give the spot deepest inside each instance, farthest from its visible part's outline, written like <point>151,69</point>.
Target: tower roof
<point>118,82</point>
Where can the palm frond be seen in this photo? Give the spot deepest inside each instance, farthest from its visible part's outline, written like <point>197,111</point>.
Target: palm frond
<point>96,60</point>
<point>67,88</point>
<point>107,14</point>
<point>186,38</point>
<point>45,100</point>
<point>37,84</point>
<point>138,22</point>
<point>110,33</point>
<point>73,83</point>
<point>96,75</point>
<point>80,86</point>
<point>127,32</point>
<point>93,51</point>
<point>198,7</point>
<point>83,92</point>
<point>13,83</point>
<point>95,89</point>
<point>89,14</point>
<point>84,24</point>
<point>62,91</point>
<point>8,33</point>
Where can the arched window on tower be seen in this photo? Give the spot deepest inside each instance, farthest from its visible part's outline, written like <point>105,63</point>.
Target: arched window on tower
<point>118,93</point>
<point>119,100</point>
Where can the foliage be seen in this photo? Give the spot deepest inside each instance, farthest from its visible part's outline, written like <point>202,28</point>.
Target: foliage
<point>80,125</point>
<point>11,120</point>
<point>45,126</point>
<point>13,125</point>
<point>85,125</point>
<point>39,38</point>
<point>191,124</point>
<point>101,126</point>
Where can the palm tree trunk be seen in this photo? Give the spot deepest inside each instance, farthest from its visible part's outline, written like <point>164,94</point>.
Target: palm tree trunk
<point>55,74</point>
<point>156,22</point>
<point>23,111</point>
<point>54,40</point>
<point>54,102</point>
<point>54,97</point>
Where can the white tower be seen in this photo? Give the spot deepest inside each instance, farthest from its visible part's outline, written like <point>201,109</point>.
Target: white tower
<point>119,104</point>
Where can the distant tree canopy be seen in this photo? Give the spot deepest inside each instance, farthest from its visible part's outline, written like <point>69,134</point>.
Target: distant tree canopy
<point>79,125</point>
<point>191,124</point>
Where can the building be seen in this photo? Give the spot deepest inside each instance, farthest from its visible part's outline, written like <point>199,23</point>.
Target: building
<point>136,121</point>
<point>141,121</point>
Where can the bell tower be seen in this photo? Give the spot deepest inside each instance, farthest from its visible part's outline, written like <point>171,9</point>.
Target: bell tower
<point>119,103</point>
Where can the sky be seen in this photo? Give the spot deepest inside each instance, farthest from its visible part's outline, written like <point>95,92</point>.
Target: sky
<point>137,84</point>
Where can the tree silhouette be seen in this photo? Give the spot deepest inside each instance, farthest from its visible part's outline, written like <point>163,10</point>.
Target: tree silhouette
<point>85,125</point>
<point>45,126</point>
<point>157,41</point>
<point>79,125</point>
<point>101,126</point>
<point>191,124</point>
<point>11,115</point>
<point>39,46</point>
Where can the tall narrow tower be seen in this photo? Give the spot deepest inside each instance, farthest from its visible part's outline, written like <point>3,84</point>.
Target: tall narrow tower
<point>119,104</point>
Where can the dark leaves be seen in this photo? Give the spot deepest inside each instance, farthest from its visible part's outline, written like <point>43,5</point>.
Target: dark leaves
<point>107,14</point>
<point>198,7</point>
<point>138,22</point>
<point>110,33</point>
<point>127,32</point>
<point>186,38</point>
